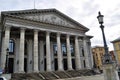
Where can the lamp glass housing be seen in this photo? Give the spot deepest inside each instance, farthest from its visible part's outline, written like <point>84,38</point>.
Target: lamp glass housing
<point>100,18</point>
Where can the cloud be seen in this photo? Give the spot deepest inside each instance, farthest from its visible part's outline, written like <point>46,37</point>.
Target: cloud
<point>83,11</point>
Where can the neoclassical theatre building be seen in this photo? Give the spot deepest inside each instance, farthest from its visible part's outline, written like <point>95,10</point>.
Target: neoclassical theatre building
<point>43,40</point>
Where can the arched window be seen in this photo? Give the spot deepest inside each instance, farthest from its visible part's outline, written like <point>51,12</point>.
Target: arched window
<point>11,46</point>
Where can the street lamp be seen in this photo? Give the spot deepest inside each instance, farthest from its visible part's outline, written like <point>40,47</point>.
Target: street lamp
<point>107,57</point>
<point>7,60</point>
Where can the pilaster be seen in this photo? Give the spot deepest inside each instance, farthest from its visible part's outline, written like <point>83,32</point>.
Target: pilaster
<point>30,56</point>
<point>41,55</point>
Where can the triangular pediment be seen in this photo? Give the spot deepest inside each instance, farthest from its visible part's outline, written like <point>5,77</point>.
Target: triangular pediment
<point>51,16</point>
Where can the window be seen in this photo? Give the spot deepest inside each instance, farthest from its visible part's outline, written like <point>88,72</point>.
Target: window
<point>72,49</point>
<point>64,49</point>
<point>55,49</point>
<point>83,52</point>
<point>84,63</point>
<point>119,46</point>
<point>11,46</point>
<point>100,49</point>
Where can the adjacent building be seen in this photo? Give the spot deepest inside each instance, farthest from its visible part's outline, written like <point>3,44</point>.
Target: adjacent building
<point>43,40</point>
<point>98,52</point>
<point>116,45</point>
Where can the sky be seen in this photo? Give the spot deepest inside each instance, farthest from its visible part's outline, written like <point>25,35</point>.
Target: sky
<point>83,11</point>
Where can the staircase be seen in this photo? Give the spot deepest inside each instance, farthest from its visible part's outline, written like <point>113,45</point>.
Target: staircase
<point>51,75</point>
<point>48,75</point>
<point>62,74</point>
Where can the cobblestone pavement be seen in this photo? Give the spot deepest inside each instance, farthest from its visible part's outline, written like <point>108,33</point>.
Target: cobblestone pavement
<point>96,77</point>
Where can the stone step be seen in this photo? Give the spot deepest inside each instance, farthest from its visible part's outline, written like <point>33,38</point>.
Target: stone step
<point>51,75</point>
<point>48,75</point>
<point>73,73</point>
<point>62,74</point>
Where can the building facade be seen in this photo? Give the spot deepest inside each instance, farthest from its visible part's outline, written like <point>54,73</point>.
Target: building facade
<point>43,40</point>
<point>98,52</point>
<point>116,46</point>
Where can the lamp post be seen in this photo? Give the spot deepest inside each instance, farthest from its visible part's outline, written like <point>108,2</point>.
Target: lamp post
<point>7,60</point>
<point>107,57</point>
<point>109,68</point>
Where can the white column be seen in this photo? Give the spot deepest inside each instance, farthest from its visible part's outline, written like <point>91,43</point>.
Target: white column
<point>59,53</point>
<point>77,54</point>
<point>69,60</point>
<point>41,55</point>
<point>5,46</point>
<point>30,56</point>
<point>16,58</point>
<point>48,55</point>
<point>86,53</point>
<point>21,51</point>
<point>35,55</point>
<point>52,56</point>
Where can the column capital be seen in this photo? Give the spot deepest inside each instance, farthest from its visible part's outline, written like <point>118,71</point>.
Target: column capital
<point>76,36</point>
<point>7,27</point>
<point>22,29</point>
<point>67,35</point>
<point>58,34</point>
<point>36,30</point>
<point>48,32</point>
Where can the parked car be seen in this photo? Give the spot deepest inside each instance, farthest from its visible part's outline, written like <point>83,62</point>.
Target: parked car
<point>2,78</point>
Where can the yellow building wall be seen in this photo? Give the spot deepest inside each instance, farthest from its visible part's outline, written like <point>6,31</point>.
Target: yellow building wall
<point>98,54</point>
<point>117,50</point>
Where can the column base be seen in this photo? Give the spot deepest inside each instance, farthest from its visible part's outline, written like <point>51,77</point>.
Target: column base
<point>48,70</point>
<point>70,69</point>
<point>21,72</point>
<point>36,71</point>
<point>60,70</point>
<point>78,69</point>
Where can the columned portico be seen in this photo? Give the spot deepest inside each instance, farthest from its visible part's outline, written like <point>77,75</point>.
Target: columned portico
<point>35,68</point>
<point>5,46</point>
<point>44,42</point>
<point>59,52</point>
<point>48,55</point>
<point>77,54</point>
<point>21,51</point>
<point>69,60</point>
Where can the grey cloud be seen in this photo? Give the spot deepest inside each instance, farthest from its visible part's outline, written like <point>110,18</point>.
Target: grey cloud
<point>90,7</point>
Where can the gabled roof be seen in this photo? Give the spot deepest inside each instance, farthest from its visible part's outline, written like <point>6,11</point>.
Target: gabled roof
<point>116,40</point>
<point>16,14</point>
